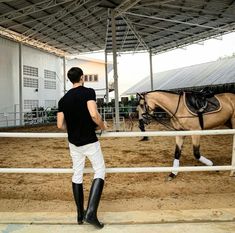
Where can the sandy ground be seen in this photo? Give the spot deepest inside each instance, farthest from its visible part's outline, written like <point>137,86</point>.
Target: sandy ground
<point>122,192</point>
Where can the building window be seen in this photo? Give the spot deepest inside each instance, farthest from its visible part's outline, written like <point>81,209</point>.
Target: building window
<point>30,104</point>
<point>30,82</point>
<point>31,71</point>
<point>95,77</point>
<point>48,74</point>
<point>49,84</point>
<point>50,103</point>
<point>91,77</point>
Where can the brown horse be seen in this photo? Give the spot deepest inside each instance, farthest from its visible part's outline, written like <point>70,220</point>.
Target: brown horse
<point>183,118</point>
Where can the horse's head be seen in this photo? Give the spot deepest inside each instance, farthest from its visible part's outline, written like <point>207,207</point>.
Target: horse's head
<point>146,106</point>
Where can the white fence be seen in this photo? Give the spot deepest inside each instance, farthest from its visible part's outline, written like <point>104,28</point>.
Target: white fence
<point>127,169</point>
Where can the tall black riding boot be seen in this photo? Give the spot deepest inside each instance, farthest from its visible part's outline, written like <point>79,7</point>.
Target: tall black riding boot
<point>93,203</point>
<point>79,199</point>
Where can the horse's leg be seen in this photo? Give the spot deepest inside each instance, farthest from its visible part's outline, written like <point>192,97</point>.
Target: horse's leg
<point>178,148</point>
<point>196,151</point>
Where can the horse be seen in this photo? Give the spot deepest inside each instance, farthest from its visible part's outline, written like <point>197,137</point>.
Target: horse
<point>196,117</point>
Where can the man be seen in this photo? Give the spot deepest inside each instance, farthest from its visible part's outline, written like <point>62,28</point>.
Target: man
<point>140,110</point>
<point>78,114</point>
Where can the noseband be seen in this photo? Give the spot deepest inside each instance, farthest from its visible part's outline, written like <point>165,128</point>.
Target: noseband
<point>147,115</point>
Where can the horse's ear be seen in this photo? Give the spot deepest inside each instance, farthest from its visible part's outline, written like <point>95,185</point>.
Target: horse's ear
<point>139,96</point>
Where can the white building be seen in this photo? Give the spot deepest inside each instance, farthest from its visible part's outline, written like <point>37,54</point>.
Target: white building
<point>42,82</point>
<point>94,72</point>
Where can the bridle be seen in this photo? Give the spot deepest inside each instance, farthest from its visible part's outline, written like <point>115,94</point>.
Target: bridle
<point>148,116</point>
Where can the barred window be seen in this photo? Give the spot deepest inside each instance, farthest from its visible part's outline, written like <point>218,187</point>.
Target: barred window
<point>30,82</point>
<point>29,104</point>
<point>50,103</point>
<point>49,74</point>
<point>96,77</point>
<point>91,78</point>
<point>49,84</point>
<point>30,70</point>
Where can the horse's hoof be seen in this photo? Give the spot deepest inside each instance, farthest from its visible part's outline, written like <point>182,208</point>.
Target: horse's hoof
<point>171,177</point>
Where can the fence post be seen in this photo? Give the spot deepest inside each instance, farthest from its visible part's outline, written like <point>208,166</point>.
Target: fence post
<point>233,156</point>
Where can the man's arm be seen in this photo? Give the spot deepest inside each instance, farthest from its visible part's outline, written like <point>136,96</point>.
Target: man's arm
<point>61,124</point>
<point>92,108</point>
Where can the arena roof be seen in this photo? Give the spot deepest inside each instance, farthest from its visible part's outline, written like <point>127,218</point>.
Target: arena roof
<point>200,75</point>
<point>78,26</point>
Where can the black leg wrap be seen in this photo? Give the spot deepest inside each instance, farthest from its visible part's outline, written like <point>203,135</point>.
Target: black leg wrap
<point>177,152</point>
<point>79,200</point>
<point>196,152</point>
<point>93,203</point>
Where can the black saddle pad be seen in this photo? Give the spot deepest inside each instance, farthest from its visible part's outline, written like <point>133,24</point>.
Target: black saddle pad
<point>197,103</point>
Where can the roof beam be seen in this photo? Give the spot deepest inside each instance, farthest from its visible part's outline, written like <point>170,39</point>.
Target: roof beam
<point>65,29</point>
<point>124,6</point>
<point>139,38</point>
<point>188,41</point>
<point>125,37</point>
<point>37,44</point>
<point>107,28</point>
<point>175,21</point>
<point>194,9</point>
<point>162,28</point>
<point>78,31</point>
<point>32,8</point>
<point>62,27</point>
<point>55,17</point>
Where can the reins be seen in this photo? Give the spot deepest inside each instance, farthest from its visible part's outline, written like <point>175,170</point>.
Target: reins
<point>159,120</point>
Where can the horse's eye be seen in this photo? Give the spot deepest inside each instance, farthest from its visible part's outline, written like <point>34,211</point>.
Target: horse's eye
<point>150,110</point>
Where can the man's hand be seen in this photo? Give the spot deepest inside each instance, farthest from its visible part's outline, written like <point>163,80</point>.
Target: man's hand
<point>105,126</point>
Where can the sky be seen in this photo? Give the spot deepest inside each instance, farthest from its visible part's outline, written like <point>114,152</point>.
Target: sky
<point>134,67</point>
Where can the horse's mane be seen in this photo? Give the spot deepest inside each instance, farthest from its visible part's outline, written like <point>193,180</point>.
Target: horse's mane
<point>166,91</point>
<point>203,89</point>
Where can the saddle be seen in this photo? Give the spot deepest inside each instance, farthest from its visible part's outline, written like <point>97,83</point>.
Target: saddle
<point>202,102</point>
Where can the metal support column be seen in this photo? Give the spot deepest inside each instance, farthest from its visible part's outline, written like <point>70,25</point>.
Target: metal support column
<point>20,83</point>
<point>64,68</point>
<point>151,69</point>
<point>115,73</point>
<point>233,156</point>
<point>106,78</point>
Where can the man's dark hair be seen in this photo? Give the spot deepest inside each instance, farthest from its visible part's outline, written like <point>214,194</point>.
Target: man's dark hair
<point>75,74</point>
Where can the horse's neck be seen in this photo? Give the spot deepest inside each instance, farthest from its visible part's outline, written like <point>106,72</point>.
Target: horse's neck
<point>165,100</point>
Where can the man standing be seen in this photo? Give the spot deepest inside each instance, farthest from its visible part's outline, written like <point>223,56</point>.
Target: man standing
<point>77,112</point>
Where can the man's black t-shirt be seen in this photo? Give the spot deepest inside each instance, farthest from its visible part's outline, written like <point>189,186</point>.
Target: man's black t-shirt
<point>80,126</point>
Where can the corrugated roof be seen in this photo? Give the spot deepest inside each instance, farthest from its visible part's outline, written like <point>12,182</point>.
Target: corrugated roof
<point>77,26</point>
<point>210,73</point>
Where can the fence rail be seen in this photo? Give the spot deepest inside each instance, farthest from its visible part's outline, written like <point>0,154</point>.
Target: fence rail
<point>125,169</point>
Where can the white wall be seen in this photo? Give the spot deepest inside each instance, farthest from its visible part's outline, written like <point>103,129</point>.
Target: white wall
<point>89,67</point>
<point>9,78</point>
<point>41,60</point>
<point>9,74</point>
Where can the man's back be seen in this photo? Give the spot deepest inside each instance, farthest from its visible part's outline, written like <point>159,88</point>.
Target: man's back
<point>80,126</point>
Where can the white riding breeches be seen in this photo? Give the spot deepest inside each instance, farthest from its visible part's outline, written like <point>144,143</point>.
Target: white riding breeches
<point>94,154</point>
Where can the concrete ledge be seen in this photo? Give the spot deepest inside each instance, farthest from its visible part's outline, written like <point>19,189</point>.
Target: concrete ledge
<point>133,217</point>
<point>213,227</point>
